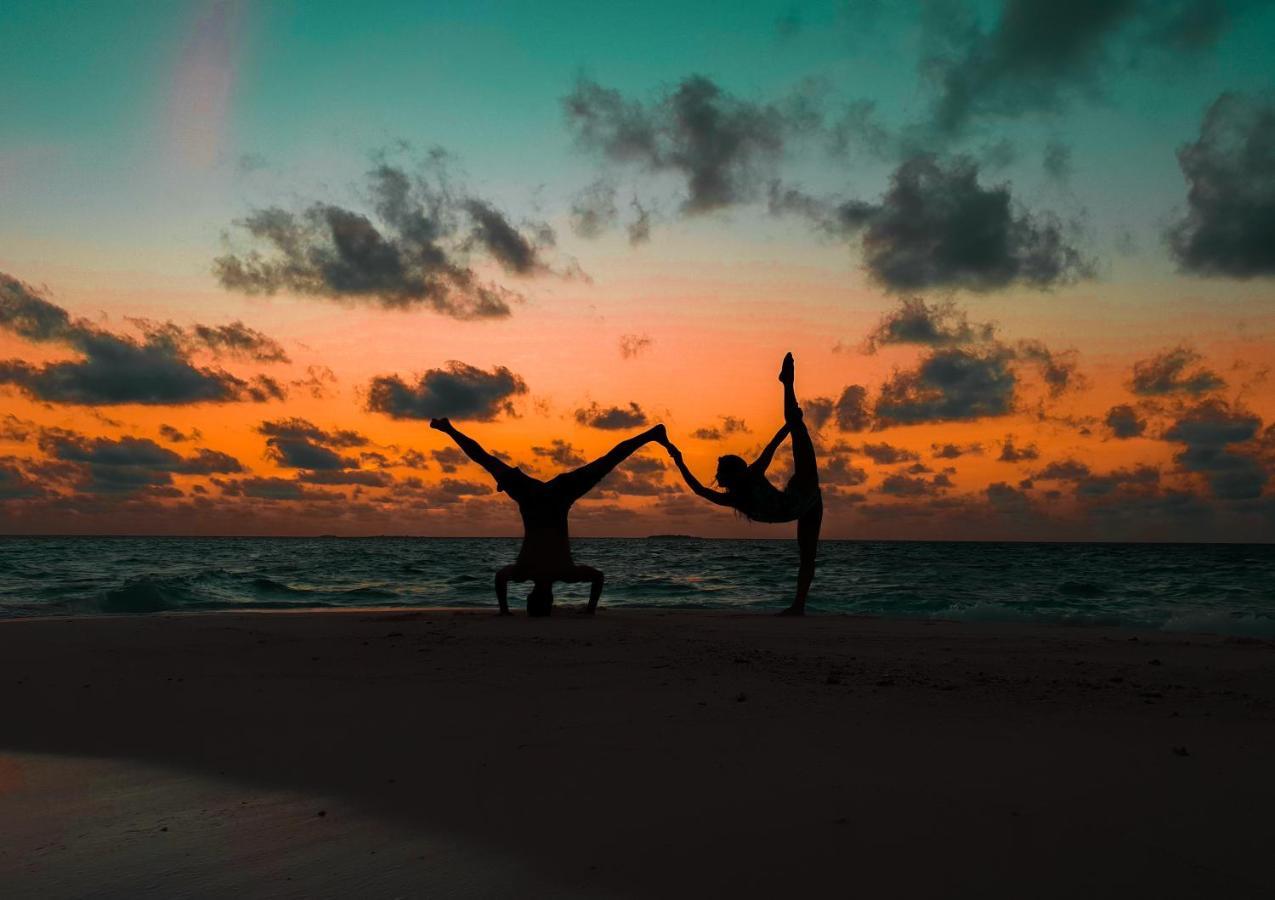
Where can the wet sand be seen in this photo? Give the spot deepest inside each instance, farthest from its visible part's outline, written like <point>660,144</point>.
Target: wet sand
<point>637,754</point>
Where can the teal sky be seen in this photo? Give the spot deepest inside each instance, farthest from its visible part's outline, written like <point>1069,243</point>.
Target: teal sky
<point>86,154</point>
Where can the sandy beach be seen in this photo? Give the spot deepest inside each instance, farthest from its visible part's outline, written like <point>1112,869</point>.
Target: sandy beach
<point>637,754</point>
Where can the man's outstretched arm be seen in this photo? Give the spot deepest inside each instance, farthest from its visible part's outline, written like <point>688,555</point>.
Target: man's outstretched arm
<point>472,448</point>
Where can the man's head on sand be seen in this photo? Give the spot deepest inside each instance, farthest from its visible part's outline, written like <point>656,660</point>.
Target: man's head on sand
<point>540,599</point>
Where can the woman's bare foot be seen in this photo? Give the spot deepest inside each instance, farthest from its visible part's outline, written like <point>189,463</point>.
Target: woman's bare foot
<point>786,371</point>
<point>792,611</point>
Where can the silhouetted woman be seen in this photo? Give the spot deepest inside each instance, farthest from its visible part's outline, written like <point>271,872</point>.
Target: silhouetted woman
<point>746,488</point>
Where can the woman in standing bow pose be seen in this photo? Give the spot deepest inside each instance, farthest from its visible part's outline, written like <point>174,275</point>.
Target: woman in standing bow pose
<point>746,488</point>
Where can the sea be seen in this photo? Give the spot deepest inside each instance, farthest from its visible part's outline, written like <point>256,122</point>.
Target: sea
<point>1216,588</point>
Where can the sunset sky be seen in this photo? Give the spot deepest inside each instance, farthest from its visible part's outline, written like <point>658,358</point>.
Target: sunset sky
<point>1023,253</point>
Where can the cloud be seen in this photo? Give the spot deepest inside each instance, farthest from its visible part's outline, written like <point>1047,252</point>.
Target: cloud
<point>1056,161</point>
<point>730,425</point>
<point>1062,470</point>
<point>1166,374</point>
<point>1230,169</point>
<point>1208,429</point>
<point>611,418</point>
<point>449,459</point>
<point>504,243</point>
<point>458,391</point>
<point>952,384</point>
<point>633,344</point>
<point>593,211</point>
<point>15,485</point>
<point>942,324</point>
<point>1058,369</point>
<point>175,436</point>
<point>560,453</point>
<point>721,147</point>
<point>1010,452</point>
<point>410,251</point>
<point>1124,422</point>
<point>638,476</point>
<point>900,485</point>
<point>300,444</point>
<point>884,454</point>
<point>116,369</point>
<point>836,469</point>
<point>937,227</point>
<point>237,339</point>
<point>1039,55</point>
<point>361,477</point>
<point>1007,499</point>
<point>640,228</point>
<point>127,464</point>
<point>320,382</point>
<point>955,451</point>
<point>275,489</point>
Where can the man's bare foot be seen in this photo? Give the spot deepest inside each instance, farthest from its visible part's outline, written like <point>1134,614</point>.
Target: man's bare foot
<point>786,371</point>
<point>792,611</point>
<point>659,434</point>
<point>441,424</point>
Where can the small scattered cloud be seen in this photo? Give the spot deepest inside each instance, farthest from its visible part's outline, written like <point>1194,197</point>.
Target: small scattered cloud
<point>611,418</point>
<point>1166,374</point>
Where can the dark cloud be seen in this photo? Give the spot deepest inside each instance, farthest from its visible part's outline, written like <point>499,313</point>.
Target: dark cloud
<point>1011,452</point>
<point>1058,369</point>
<point>1063,470</point>
<point>1229,228</point>
<point>414,254</point>
<point>722,147</point>
<point>730,425</point>
<point>1039,55</point>
<point>176,436</point>
<point>458,391</point>
<point>128,464</point>
<point>504,243</point>
<point>1166,374</point>
<point>1208,430</point>
<point>237,339</point>
<point>15,485</point>
<point>1124,422</point>
<point>1141,476</point>
<point>560,453</point>
<point>633,344</point>
<point>955,451</point>
<point>346,476</point>
<point>300,444</point>
<point>611,418</point>
<point>852,412</point>
<point>113,369</point>
<point>900,485</point>
<point>449,459</point>
<point>941,324</point>
<point>952,384</point>
<point>276,489</point>
<point>937,227</point>
<point>887,454</point>
<point>836,469</point>
<point>14,429</point>
<point>1006,498</point>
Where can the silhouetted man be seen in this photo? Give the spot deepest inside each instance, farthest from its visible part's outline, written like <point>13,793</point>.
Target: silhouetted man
<point>545,556</point>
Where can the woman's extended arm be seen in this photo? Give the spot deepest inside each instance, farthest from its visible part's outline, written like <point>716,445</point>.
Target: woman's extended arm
<point>693,483</point>
<point>762,462</point>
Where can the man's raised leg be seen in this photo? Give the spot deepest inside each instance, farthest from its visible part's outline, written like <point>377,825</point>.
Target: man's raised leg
<point>584,479</point>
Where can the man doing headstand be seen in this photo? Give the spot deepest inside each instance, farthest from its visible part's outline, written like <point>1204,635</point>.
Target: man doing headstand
<point>545,556</point>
